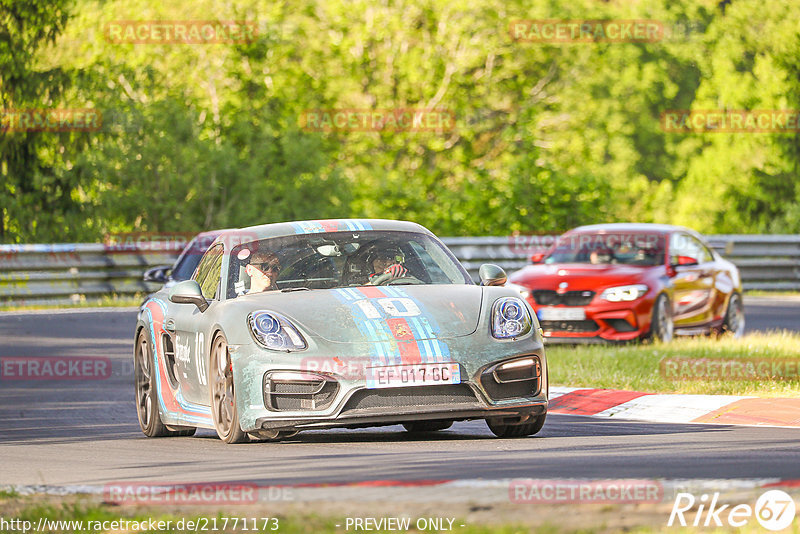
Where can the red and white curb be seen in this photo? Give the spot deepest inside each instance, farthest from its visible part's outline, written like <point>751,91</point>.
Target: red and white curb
<point>666,408</point>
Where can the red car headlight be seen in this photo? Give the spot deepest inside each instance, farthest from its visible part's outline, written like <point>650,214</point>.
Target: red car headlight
<point>624,293</point>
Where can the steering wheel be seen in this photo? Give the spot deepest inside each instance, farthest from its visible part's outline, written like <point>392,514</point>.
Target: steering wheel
<point>405,280</point>
<point>387,280</point>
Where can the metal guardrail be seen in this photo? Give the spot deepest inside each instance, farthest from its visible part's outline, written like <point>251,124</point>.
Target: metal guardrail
<point>74,273</point>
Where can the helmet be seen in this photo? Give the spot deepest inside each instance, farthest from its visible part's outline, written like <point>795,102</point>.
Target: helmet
<point>389,252</point>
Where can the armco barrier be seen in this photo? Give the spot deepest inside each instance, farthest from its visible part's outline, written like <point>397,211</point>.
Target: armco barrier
<point>72,273</point>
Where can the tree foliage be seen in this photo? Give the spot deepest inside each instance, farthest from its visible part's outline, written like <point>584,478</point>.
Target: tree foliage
<point>547,135</point>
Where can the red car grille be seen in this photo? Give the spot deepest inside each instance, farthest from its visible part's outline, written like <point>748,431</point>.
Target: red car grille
<point>548,297</point>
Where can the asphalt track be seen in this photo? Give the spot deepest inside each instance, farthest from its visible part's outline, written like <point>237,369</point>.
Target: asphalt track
<point>85,432</point>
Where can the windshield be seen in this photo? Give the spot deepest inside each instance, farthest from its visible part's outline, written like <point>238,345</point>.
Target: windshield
<point>607,249</point>
<point>341,259</point>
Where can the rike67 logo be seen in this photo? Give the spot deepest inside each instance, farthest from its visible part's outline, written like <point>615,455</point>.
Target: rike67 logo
<point>774,510</point>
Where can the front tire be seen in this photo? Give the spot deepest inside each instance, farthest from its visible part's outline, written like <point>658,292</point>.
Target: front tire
<point>661,326</point>
<point>144,372</point>
<point>223,396</point>
<point>518,430</point>
<point>734,317</point>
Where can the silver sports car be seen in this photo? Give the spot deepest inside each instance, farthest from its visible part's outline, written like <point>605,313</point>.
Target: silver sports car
<point>337,323</point>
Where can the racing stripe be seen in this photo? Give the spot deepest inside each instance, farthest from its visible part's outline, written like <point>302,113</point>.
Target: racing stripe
<point>427,350</point>
<point>381,352</point>
<point>407,343</point>
<point>362,225</point>
<point>405,337</point>
<point>372,292</point>
<point>397,337</point>
<point>330,225</point>
<point>307,227</point>
<point>172,403</point>
<point>424,326</point>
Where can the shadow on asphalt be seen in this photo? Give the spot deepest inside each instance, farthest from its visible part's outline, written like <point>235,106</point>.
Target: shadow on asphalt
<point>54,431</point>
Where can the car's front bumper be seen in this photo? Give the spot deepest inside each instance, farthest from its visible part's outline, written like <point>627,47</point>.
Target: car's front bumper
<point>350,403</point>
<point>388,414</point>
<point>604,321</point>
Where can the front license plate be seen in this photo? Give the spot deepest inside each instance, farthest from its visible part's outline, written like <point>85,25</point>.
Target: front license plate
<point>561,314</point>
<point>423,374</point>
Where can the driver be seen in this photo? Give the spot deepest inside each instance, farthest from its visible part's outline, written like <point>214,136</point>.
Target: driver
<point>387,264</point>
<point>600,256</point>
<point>263,270</point>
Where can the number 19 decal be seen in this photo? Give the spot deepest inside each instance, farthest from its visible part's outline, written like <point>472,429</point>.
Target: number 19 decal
<point>393,307</point>
<point>200,359</point>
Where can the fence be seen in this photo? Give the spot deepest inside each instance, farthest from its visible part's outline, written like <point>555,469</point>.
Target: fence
<point>73,273</point>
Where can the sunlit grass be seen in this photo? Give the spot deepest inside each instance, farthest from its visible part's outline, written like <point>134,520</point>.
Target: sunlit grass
<point>638,367</point>
<point>105,301</point>
<point>90,514</point>
<point>606,519</point>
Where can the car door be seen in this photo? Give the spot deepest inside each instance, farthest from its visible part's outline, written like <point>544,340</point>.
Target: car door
<point>694,280</point>
<point>191,328</point>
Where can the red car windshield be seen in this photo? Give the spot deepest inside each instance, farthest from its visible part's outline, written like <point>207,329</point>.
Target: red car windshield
<point>608,249</point>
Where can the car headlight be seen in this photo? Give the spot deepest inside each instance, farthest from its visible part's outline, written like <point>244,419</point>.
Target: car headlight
<point>275,332</point>
<point>524,291</point>
<point>624,293</point>
<point>510,318</point>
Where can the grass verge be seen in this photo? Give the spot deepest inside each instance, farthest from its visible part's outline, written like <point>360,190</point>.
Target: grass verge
<point>658,368</point>
<point>84,514</point>
<point>87,517</point>
<point>106,301</point>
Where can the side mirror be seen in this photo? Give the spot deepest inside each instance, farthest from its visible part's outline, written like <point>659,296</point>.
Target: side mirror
<point>157,274</point>
<point>492,275</point>
<point>188,292</point>
<point>686,260</point>
<point>537,258</point>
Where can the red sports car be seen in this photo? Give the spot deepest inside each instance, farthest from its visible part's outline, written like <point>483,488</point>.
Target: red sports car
<point>619,282</point>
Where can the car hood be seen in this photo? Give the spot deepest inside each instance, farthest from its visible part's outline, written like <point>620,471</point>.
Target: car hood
<point>339,315</point>
<point>579,276</point>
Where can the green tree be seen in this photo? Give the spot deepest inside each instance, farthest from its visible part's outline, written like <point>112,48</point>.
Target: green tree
<point>36,191</point>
